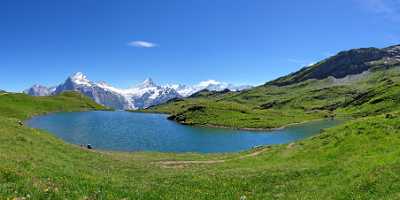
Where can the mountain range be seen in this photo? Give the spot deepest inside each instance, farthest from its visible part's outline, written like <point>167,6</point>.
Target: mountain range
<point>140,96</point>
<point>356,82</point>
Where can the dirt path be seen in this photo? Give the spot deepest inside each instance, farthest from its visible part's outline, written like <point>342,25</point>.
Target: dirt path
<point>183,163</point>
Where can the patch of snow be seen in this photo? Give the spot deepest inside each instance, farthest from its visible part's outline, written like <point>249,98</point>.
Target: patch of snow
<point>142,95</point>
<point>108,87</point>
<point>349,78</point>
<point>80,79</point>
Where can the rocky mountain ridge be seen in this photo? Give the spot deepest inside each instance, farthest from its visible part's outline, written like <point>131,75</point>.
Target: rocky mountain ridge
<point>344,63</point>
<point>140,96</point>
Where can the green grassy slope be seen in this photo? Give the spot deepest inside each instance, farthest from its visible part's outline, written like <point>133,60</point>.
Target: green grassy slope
<point>22,106</point>
<point>358,160</point>
<point>270,106</point>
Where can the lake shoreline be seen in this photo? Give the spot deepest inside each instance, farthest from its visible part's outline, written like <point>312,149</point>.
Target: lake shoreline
<point>158,129</point>
<point>255,129</point>
<point>188,124</point>
<point>240,128</point>
<point>224,127</point>
<point>200,125</point>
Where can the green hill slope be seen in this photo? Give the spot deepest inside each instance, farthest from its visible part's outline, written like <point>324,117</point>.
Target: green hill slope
<point>345,63</point>
<point>358,160</point>
<point>371,86</point>
<point>22,106</point>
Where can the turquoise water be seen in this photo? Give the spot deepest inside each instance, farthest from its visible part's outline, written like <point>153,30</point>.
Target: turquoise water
<point>126,131</point>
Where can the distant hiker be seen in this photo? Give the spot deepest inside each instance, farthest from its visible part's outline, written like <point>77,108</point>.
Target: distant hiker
<point>389,116</point>
<point>89,146</point>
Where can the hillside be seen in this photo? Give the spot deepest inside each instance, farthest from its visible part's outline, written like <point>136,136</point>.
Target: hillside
<point>353,83</point>
<point>357,160</point>
<point>345,63</point>
<point>22,106</point>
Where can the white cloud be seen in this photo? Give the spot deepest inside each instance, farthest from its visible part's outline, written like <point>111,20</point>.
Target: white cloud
<point>142,44</point>
<point>389,9</point>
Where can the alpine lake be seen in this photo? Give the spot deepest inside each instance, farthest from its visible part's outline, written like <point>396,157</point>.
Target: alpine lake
<point>129,131</point>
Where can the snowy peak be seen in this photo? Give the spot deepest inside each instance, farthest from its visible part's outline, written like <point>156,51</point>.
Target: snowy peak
<point>143,95</point>
<point>208,83</point>
<point>78,76</point>
<point>211,85</point>
<point>80,79</point>
<point>183,90</point>
<point>214,85</point>
<point>148,82</point>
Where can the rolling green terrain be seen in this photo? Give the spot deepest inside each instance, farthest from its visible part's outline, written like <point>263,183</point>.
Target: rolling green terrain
<point>22,106</point>
<point>357,160</point>
<point>300,96</point>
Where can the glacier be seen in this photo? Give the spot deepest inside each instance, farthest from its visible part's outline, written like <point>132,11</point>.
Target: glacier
<point>140,96</point>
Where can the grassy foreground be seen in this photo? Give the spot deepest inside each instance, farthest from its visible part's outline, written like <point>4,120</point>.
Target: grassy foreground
<point>357,160</point>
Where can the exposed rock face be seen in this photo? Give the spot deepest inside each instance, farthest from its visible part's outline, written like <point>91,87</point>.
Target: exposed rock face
<point>345,63</point>
<point>39,90</point>
<point>101,95</point>
<point>143,95</point>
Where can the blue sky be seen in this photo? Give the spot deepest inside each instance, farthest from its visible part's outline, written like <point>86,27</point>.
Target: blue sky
<point>182,41</point>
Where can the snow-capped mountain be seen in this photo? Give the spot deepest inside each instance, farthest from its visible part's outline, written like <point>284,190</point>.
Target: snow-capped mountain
<point>96,91</point>
<point>211,85</point>
<point>148,94</point>
<point>139,96</point>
